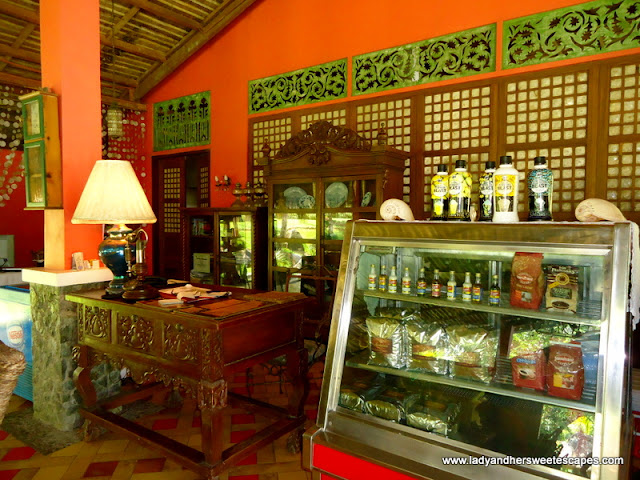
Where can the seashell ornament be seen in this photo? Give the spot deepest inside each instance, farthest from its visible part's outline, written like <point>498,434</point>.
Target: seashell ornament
<point>596,209</point>
<point>395,209</point>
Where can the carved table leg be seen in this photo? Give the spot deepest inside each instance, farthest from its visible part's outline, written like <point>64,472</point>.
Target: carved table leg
<point>297,366</point>
<point>212,398</point>
<point>86,390</point>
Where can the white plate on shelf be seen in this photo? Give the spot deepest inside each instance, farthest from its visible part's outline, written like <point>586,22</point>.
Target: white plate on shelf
<point>292,196</point>
<point>336,194</point>
<point>306,201</point>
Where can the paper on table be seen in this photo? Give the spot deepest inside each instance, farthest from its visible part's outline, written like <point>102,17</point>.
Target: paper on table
<point>189,292</point>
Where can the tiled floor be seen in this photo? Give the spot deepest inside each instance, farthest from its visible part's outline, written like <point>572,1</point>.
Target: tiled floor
<point>114,457</point>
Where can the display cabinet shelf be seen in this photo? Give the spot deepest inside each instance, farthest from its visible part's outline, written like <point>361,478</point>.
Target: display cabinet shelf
<point>499,388</point>
<point>581,318</point>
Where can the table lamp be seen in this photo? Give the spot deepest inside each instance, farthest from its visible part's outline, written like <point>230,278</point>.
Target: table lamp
<point>113,196</point>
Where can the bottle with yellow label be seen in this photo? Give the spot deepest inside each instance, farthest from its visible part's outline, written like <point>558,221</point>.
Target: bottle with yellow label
<point>505,186</point>
<point>440,194</point>
<point>460,193</point>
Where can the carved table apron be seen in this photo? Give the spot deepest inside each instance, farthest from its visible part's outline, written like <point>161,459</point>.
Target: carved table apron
<point>196,353</point>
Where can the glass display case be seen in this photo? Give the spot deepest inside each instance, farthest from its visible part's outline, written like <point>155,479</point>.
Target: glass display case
<point>226,246</point>
<point>498,350</point>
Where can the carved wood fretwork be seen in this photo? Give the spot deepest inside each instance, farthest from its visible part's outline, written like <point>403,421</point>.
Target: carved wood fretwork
<point>135,332</point>
<point>95,322</point>
<point>180,343</point>
<point>318,137</point>
<point>211,354</point>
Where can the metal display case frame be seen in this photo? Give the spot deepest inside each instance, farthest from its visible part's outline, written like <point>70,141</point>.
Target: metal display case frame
<point>418,454</point>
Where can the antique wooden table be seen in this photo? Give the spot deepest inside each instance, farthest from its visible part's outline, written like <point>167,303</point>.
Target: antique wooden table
<point>195,349</point>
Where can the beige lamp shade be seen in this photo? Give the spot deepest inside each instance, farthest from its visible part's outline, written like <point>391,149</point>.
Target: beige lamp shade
<point>113,194</point>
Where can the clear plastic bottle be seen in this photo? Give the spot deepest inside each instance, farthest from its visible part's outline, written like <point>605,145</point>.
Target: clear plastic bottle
<point>421,284</point>
<point>460,193</point>
<point>540,183</point>
<point>440,194</point>
<point>505,187</point>
<point>436,284</point>
<point>486,192</point>
<point>451,286</point>
<point>393,280</point>
<point>373,278</point>
<point>467,287</point>
<point>383,279</point>
<point>406,282</point>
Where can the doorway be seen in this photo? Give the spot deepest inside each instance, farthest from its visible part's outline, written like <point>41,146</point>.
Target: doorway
<point>179,181</point>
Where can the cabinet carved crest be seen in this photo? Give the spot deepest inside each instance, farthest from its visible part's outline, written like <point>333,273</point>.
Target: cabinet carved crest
<point>318,137</point>
<point>180,343</point>
<point>211,354</point>
<point>95,322</point>
<point>135,332</point>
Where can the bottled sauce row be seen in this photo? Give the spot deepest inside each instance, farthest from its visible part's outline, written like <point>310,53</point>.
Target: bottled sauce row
<point>470,292</point>
<point>498,192</point>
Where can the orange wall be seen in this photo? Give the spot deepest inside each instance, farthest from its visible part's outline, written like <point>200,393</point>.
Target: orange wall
<point>277,36</point>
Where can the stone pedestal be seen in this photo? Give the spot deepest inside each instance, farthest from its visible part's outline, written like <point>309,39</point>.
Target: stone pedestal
<point>54,331</point>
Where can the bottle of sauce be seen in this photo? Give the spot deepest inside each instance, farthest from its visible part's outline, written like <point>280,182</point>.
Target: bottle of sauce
<point>486,192</point>
<point>421,284</point>
<point>494,293</point>
<point>406,282</point>
<point>373,278</point>
<point>440,194</point>
<point>460,193</point>
<point>382,279</point>
<point>393,280</point>
<point>540,184</point>
<point>476,290</point>
<point>467,287</point>
<point>505,187</point>
<point>451,286</point>
<point>436,284</point>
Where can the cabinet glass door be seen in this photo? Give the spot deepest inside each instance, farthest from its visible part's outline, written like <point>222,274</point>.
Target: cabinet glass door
<point>500,352</point>
<point>235,236</point>
<point>35,173</point>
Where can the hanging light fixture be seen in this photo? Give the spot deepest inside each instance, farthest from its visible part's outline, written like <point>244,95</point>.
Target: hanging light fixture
<point>114,112</point>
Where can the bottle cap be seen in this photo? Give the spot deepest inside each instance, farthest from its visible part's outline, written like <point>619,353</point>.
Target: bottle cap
<point>461,164</point>
<point>540,161</point>
<point>506,160</point>
<point>442,168</point>
<point>490,164</point>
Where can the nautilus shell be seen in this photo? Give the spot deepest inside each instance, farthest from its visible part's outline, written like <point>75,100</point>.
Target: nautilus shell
<point>394,209</point>
<point>596,209</point>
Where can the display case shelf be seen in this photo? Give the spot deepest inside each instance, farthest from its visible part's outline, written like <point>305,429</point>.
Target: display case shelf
<point>505,308</point>
<point>496,388</point>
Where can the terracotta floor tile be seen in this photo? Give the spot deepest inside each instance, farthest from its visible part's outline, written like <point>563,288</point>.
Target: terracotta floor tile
<point>8,474</point>
<point>113,446</point>
<point>3,435</point>
<point>241,418</point>
<point>165,424</point>
<point>149,465</point>
<point>19,453</point>
<point>100,469</point>
<point>51,473</point>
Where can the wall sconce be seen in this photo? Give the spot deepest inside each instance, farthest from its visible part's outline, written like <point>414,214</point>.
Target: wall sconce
<point>224,183</point>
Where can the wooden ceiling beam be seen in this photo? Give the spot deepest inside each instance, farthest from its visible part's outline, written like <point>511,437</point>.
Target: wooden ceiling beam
<point>131,48</point>
<point>20,53</point>
<point>125,19</point>
<point>108,77</point>
<point>20,81</point>
<point>21,13</point>
<point>164,13</point>
<point>197,40</point>
<point>24,34</point>
<point>124,103</point>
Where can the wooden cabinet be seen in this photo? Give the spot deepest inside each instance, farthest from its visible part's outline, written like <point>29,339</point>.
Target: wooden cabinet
<point>319,180</point>
<point>42,150</point>
<point>225,246</point>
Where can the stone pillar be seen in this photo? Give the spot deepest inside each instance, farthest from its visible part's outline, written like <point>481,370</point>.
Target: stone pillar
<point>55,333</point>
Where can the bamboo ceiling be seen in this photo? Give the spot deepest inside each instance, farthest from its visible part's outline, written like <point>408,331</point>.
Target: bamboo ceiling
<point>151,38</point>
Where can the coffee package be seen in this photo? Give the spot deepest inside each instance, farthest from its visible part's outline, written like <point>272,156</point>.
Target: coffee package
<point>562,288</point>
<point>527,280</point>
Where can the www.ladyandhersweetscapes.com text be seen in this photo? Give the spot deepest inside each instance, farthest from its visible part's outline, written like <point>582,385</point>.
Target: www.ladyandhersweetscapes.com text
<point>550,461</point>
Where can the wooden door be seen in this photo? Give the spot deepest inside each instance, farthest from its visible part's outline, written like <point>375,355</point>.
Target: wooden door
<point>179,180</point>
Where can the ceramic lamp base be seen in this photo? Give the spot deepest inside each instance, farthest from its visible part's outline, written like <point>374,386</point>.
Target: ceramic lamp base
<point>111,251</point>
